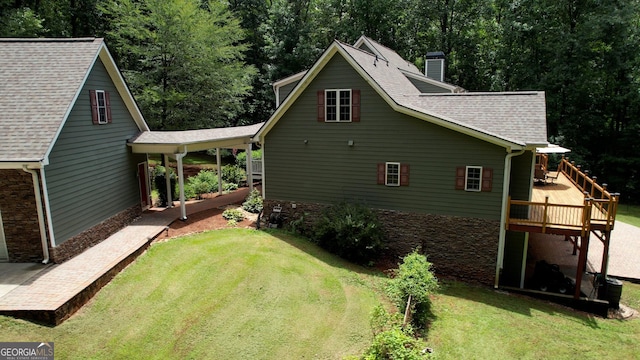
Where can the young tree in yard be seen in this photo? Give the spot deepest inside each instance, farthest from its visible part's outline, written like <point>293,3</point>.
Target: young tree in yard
<point>183,60</point>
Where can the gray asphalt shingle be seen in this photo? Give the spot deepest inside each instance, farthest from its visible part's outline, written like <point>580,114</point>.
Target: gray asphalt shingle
<point>517,117</point>
<point>39,79</point>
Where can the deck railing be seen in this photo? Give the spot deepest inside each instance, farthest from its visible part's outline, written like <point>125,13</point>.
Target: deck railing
<point>256,167</point>
<point>546,215</point>
<point>599,208</point>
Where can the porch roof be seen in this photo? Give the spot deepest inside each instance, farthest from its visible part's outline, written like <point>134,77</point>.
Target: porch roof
<point>175,142</point>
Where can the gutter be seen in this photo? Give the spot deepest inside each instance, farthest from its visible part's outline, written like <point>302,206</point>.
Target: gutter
<point>43,234</point>
<point>503,214</point>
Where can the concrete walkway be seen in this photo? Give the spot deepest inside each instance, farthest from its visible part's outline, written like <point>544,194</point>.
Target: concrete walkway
<point>624,252</point>
<point>54,292</point>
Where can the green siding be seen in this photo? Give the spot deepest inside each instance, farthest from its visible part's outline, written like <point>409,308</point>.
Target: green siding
<point>426,87</point>
<point>285,90</point>
<point>92,173</point>
<point>327,170</point>
<point>521,181</point>
<point>513,257</point>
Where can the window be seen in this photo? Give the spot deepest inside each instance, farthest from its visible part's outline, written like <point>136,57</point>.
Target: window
<point>473,178</point>
<point>339,105</point>
<point>392,177</point>
<point>393,174</point>
<point>100,106</point>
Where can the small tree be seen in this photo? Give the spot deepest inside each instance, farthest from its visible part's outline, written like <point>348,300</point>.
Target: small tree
<point>411,286</point>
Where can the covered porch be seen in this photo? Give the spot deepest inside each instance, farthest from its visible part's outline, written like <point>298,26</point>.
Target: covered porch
<point>177,144</point>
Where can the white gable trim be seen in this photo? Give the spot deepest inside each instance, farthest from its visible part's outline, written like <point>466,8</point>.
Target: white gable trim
<point>364,40</point>
<point>286,81</point>
<point>336,47</point>
<point>121,86</point>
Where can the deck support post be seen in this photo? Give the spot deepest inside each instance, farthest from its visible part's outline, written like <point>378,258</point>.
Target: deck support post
<point>582,263</point>
<point>167,180</point>
<point>605,254</point>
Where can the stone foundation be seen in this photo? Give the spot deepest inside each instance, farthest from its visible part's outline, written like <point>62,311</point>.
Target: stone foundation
<point>94,235</point>
<point>20,216</point>
<point>466,248</point>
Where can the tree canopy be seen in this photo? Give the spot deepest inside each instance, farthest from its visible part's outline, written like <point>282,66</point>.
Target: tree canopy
<point>202,63</point>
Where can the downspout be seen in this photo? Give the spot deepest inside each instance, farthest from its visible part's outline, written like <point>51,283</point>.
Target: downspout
<point>183,210</point>
<point>43,231</point>
<point>503,214</point>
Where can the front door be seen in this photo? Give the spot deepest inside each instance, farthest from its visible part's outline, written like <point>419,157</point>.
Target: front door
<point>143,180</point>
<point>4,255</point>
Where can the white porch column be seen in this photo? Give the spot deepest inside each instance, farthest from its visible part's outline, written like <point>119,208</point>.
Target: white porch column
<point>167,179</point>
<point>249,167</point>
<point>219,168</point>
<point>183,209</point>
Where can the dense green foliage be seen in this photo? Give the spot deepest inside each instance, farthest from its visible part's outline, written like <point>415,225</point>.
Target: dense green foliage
<point>241,158</point>
<point>414,278</point>
<point>204,182</point>
<point>392,340</point>
<point>233,174</point>
<point>233,215</point>
<point>184,59</point>
<point>253,202</point>
<point>351,231</point>
<point>160,183</point>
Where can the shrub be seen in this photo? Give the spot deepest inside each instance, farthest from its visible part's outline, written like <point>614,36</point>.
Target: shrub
<point>396,344</point>
<point>241,158</point>
<point>160,184</point>
<point>253,202</point>
<point>226,187</point>
<point>350,231</point>
<point>233,215</point>
<point>413,277</point>
<point>233,174</point>
<point>205,182</point>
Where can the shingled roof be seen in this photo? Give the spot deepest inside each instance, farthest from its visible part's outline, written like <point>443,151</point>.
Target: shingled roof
<point>510,119</point>
<point>39,82</point>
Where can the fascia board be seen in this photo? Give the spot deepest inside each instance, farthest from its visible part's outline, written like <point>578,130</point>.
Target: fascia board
<point>295,93</point>
<point>122,88</point>
<point>6,165</point>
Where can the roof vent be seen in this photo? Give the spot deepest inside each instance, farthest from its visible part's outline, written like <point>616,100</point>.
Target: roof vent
<point>434,65</point>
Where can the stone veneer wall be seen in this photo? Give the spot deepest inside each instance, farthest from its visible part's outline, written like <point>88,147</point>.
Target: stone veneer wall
<point>465,248</point>
<point>19,216</point>
<point>94,235</point>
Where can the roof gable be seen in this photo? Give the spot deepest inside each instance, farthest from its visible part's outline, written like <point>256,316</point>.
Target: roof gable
<point>39,84</point>
<point>469,113</point>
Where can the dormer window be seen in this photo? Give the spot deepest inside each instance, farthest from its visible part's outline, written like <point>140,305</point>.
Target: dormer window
<point>339,105</point>
<point>100,107</point>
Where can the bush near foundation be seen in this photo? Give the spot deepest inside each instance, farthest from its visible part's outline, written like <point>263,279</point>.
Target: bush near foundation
<point>351,231</point>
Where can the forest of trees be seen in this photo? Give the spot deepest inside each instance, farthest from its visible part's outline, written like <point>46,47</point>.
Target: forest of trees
<point>210,63</point>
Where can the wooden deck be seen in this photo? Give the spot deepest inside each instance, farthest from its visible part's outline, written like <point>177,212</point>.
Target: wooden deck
<point>571,204</point>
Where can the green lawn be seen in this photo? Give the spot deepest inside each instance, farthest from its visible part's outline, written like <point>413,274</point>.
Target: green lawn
<point>246,294</point>
<point>229,294</point>
<point>629,214</point>
<point>472,322</point>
